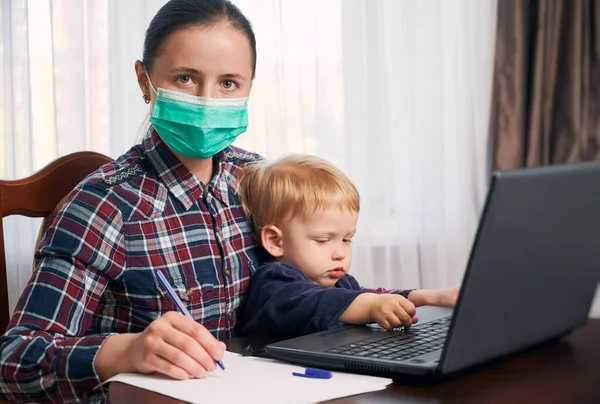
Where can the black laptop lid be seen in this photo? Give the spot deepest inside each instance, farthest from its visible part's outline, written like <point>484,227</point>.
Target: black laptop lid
<point>534,266</point>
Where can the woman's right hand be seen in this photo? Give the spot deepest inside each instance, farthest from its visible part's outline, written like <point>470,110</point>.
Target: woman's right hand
<point>176,346</point>
<point>173,345</point>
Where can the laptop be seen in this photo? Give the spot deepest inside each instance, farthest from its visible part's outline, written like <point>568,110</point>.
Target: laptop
<point>531,277</point>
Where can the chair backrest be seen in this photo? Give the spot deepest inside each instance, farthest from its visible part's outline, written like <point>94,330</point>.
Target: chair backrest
<point>38,196</point>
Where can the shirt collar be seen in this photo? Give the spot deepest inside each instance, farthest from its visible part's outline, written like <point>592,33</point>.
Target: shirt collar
<point>224,181</point>
<point>180,182</point>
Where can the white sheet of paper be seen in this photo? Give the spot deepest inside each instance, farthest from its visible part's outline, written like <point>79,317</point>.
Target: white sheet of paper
<point>251,379</point>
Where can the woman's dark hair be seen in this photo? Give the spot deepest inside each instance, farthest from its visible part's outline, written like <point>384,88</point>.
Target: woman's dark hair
<point>179,14</point>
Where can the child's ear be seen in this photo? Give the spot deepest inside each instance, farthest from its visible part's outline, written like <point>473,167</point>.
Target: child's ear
<point>271,238</point>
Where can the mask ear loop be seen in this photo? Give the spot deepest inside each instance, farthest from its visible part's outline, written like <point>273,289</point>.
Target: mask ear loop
<point>149,81</point>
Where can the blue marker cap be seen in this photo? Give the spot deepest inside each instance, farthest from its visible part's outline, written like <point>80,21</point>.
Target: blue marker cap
<point>313,373</point>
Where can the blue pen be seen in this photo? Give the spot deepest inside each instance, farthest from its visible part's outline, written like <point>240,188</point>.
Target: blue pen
<point>177,301</point>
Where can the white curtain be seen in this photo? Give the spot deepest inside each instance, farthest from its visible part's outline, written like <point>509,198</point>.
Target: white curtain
<point>395,92</point>
<point>68,84</point>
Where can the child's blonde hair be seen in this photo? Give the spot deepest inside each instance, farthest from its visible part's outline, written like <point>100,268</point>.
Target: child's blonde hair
<point>293,186</point>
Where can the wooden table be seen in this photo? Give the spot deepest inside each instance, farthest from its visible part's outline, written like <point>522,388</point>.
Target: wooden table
<point>567,371</point>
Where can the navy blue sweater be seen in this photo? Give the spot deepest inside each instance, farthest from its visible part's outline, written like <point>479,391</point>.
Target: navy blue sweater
<point>283,302</point>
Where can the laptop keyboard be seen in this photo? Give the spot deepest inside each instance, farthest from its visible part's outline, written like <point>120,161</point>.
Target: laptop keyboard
<point>400,345</point>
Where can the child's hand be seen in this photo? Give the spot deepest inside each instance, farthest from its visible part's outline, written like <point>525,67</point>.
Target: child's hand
<point>424,297</point>
<point>392,311</point>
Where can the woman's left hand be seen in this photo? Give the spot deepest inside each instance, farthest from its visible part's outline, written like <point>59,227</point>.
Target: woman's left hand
<point>448,297</point>
<point>425,297</point>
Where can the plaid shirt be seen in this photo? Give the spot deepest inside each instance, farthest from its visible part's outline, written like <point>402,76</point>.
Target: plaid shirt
<point>95,267</point>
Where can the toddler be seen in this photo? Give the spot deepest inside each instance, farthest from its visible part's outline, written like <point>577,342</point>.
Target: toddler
<point>304,211</point>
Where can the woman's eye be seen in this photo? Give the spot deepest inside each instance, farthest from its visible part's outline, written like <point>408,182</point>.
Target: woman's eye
<point>229,85</point>
<point>184,79</point>
<point>347,240</point>
<point>322,240</point>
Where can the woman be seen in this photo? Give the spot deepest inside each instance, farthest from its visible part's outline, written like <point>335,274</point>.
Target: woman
<point>94,307</point>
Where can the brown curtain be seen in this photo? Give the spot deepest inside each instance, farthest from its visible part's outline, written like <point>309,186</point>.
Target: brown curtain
<point>546,102</point>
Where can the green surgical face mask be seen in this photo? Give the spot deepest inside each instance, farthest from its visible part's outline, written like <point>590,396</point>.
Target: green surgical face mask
<point>198,127</point>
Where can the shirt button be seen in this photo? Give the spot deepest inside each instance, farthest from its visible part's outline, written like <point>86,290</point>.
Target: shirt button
<point>227,272</point>
<point>218,229</point>
<point>189,292</point>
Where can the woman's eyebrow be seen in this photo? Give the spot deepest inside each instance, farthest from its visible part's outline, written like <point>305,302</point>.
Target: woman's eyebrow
<point>185,69</point>
<point>233,76</point>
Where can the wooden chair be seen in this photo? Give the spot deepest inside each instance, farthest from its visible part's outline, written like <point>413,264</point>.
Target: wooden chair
<point>41,195</point>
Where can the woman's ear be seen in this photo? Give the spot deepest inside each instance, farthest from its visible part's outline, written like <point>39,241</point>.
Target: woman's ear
<point>142,79</point>
<point>272,241</point>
